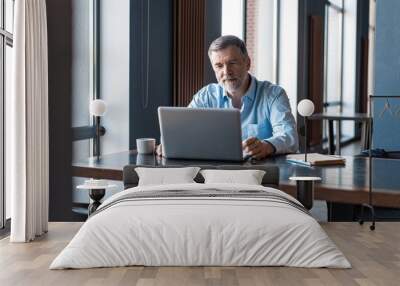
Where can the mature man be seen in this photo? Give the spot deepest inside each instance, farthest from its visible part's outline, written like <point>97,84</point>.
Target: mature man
<point>268,126</point>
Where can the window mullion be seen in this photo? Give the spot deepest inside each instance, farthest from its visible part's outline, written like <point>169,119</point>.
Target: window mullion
<point>2,137</point>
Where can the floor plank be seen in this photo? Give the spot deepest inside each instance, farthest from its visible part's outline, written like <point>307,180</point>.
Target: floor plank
<point>374,255</point>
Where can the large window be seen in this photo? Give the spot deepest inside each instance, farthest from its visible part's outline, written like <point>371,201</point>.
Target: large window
<point>371,46</point>
<point>333,62</point>
<point>100,69</point>
<point>84,75</point>
<point>340,62</point>
<point>84,84</point>
<point>232,18</point>
<point>6,43</point>
<point>333,99</point>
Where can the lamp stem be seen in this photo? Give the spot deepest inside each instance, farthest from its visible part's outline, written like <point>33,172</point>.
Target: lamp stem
<point>97,149</point>
<point>305,138</point>
<point>370,154</point>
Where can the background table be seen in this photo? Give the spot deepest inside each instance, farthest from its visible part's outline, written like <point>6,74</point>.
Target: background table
<point>337,117</point>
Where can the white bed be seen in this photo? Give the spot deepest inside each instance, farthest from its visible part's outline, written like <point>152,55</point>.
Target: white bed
<point>206,230</point>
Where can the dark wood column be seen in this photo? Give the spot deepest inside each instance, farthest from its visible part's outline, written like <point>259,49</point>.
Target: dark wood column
<point>188,43</point>
<point>316,75</point>
<point>59,33</point>
<point>310,63</point>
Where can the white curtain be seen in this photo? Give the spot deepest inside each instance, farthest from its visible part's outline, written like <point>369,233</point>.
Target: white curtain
<point>29,152</point>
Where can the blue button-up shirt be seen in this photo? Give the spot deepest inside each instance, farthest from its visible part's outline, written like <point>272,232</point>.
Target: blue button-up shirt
<point>265,112</point>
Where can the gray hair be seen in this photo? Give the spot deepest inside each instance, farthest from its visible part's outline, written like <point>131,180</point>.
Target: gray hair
<point>226,41</point>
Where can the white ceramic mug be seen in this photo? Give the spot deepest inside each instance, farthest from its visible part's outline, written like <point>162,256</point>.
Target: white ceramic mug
<point>145,159</point>
<point>145,145</point>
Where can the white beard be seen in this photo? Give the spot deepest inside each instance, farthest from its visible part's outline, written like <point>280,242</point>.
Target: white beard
<point>231,87</point>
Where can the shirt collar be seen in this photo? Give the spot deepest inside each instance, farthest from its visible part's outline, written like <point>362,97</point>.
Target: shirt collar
<point>251,91</point>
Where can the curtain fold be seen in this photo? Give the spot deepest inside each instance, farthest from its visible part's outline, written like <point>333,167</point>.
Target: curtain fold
<point>29,161</point>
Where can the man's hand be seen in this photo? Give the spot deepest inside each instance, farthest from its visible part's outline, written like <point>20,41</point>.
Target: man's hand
<point>256,148</point>
<point>159,150</point>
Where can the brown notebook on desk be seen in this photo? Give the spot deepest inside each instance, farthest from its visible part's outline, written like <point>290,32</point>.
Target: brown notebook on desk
<point>316,159</point>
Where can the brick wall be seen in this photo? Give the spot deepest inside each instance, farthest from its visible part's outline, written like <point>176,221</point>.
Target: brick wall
<point>251,28</point>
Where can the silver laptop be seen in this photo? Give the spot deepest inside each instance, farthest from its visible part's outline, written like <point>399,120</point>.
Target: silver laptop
<point>201,133</point>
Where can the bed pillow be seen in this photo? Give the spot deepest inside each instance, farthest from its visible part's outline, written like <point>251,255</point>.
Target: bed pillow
<point>248,177</point>
<point>165,176</point>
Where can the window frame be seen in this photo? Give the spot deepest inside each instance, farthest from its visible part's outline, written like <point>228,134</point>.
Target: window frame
<point>6,39</point>
<point>88,132</point>
<point>95,64</point>
<point>338,9</point>
<point>326,104</point>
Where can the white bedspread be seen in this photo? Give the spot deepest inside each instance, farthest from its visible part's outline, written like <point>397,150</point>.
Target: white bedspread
<point>200,231</point>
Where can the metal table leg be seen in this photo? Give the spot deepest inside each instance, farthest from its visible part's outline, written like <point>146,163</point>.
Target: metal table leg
<point>96,195</point>
<point>338,135</point>
<point>331,145</point>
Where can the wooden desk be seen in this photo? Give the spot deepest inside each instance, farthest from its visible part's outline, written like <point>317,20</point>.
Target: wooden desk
<point>337,118</point>
<point>341,184</point>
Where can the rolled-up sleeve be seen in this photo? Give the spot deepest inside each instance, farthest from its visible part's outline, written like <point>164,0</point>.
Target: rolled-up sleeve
<point>284,132</point>
<point>199,100</point>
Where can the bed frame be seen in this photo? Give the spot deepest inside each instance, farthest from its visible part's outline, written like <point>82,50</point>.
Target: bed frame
<point>270,179</point>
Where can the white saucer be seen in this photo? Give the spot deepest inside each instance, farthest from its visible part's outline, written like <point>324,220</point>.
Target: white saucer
<point>305,178</point>
<point>94,187</point>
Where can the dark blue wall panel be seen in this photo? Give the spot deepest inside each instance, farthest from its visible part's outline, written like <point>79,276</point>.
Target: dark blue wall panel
<point>213,11</point>
<point>387,75</point>
<point>150,71</point>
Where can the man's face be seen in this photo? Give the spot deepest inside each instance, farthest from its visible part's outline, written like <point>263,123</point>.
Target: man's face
<point>230,68</point>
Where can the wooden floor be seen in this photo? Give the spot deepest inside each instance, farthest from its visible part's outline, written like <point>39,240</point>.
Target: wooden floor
<point>374,255</point>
